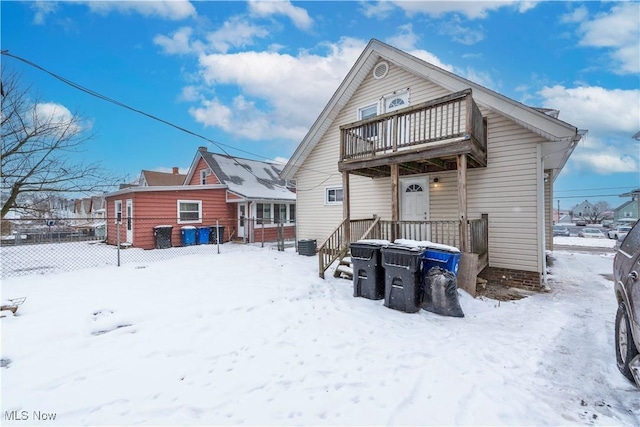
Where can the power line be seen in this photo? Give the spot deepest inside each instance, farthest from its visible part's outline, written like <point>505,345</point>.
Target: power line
<point>595,189</point>
<point>151,116</point>
<point>586,196</point>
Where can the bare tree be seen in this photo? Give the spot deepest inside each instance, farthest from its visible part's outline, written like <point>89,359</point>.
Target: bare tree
<point>38,142</point>
<point>598,212</point>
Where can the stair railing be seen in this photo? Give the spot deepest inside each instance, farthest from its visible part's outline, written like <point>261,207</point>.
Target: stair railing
<point>335,247</point>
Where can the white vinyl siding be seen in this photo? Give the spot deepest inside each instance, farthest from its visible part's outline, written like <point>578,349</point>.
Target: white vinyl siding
<point>506,189</point>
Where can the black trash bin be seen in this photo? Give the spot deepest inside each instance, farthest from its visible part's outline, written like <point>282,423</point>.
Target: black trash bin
<point>162,234</point>
<point>403,277</point>
<point>307,247</point>
<point>216,231</point>
<point>368,273</point>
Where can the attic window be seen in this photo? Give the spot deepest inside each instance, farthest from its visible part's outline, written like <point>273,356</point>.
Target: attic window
<point>380,70</point>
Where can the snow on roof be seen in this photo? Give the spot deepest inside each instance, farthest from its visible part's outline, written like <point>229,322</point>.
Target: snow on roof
<point>252,179</point>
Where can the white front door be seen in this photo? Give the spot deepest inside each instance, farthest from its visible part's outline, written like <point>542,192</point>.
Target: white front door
<point>414,206</point>
<point>129,220</point>
<point>242,214</point>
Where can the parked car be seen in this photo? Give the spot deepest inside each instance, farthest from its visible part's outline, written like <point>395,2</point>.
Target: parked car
<point>561,230</point>
<point>607,223</point>
<point>591,232</point>
<point>619,230</point>
<point>626,273</point>
<point>581,222</point>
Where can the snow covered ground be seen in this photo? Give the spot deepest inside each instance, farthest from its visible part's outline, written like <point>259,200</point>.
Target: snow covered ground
<point>253,336</point>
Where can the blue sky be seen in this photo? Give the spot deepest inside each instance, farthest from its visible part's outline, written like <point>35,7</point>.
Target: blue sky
<point>255,75</point>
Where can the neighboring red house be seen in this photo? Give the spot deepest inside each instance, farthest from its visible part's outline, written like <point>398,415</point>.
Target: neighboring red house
<point>246,197</point>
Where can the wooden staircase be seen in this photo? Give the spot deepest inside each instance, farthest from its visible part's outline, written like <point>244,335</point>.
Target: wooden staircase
<point>344,269</point>
<point>336,247</point>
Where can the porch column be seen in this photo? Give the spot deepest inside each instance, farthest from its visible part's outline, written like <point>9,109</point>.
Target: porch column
<point>346,211</point>
<point>395,198</point>
<point>462,201</point>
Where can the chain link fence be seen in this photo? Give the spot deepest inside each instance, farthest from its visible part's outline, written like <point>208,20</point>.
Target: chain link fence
<point>45,246</point>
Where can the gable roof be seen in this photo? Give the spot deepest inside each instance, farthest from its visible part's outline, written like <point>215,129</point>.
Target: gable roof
<point>539,121</point>
<point>251,179</point>
<point>153,178</point>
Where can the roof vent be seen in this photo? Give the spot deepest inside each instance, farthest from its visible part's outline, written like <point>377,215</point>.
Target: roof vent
<point>380,70</point>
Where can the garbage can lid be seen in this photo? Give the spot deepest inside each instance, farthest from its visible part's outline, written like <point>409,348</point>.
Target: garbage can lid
<point>163,226</point>
<point>188,227</point>
<point>425,244</point>
<point>376,242</point>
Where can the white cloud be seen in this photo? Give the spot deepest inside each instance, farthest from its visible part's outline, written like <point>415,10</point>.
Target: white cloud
<point>610,116</point>
<point>470,9</point>
<point>461,32</point>
<point>58,116</point>
<point>602,111</point>
<point>166,9</point>
<point>379,9</point>
<point>277,100</point>
<point>405,40</point>
<point>42,9</point>
<point>579,14</point>
<point>619,31</point>
<point>298,15</point>
<point>236,32</point>
<point>179,43</point>
<point>606,158</point>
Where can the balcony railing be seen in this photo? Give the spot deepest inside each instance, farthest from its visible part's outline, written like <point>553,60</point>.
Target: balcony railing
<point>450,118</point>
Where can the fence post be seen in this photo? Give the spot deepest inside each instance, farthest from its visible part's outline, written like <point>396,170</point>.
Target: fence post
<point>217,236</point>
<point>280,237</point>
<point>262,228</point>
<point>118,241</point>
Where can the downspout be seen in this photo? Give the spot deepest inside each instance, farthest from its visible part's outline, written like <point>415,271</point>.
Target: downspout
<point>541,219</point>
<point>541,223</point>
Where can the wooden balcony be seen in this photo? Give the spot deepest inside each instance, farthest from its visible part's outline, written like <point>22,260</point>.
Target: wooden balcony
<point>423,138</point>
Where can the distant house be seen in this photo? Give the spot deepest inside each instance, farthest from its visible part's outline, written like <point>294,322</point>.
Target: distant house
<point>157,179</point>
<point>629,209</point>
<point>405,149</point>
<point>246,197</point>
<point>583,210</point>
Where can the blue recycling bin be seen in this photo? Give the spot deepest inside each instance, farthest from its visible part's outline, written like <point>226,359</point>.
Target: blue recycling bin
<point>188,234</point>
<point>203,235</point>
<point>447,260</point>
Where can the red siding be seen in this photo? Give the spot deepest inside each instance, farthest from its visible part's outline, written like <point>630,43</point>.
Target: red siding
<point>151,208</point>
<point>202,165</point>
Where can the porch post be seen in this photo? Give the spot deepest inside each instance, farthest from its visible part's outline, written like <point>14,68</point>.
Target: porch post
<point>395,205</point>
<point>346,211</point>
<point>462,201</point>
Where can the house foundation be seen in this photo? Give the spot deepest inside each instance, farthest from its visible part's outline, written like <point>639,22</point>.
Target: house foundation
<point>529,280</point>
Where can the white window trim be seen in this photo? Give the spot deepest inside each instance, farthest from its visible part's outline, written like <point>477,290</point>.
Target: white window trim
<point>271,223</point>
<point>117,204</point>
<point>198,221</point>
<point>326,195</point>
<point>364,107</point>
<point>404,94</point>
<point>203,177</point>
